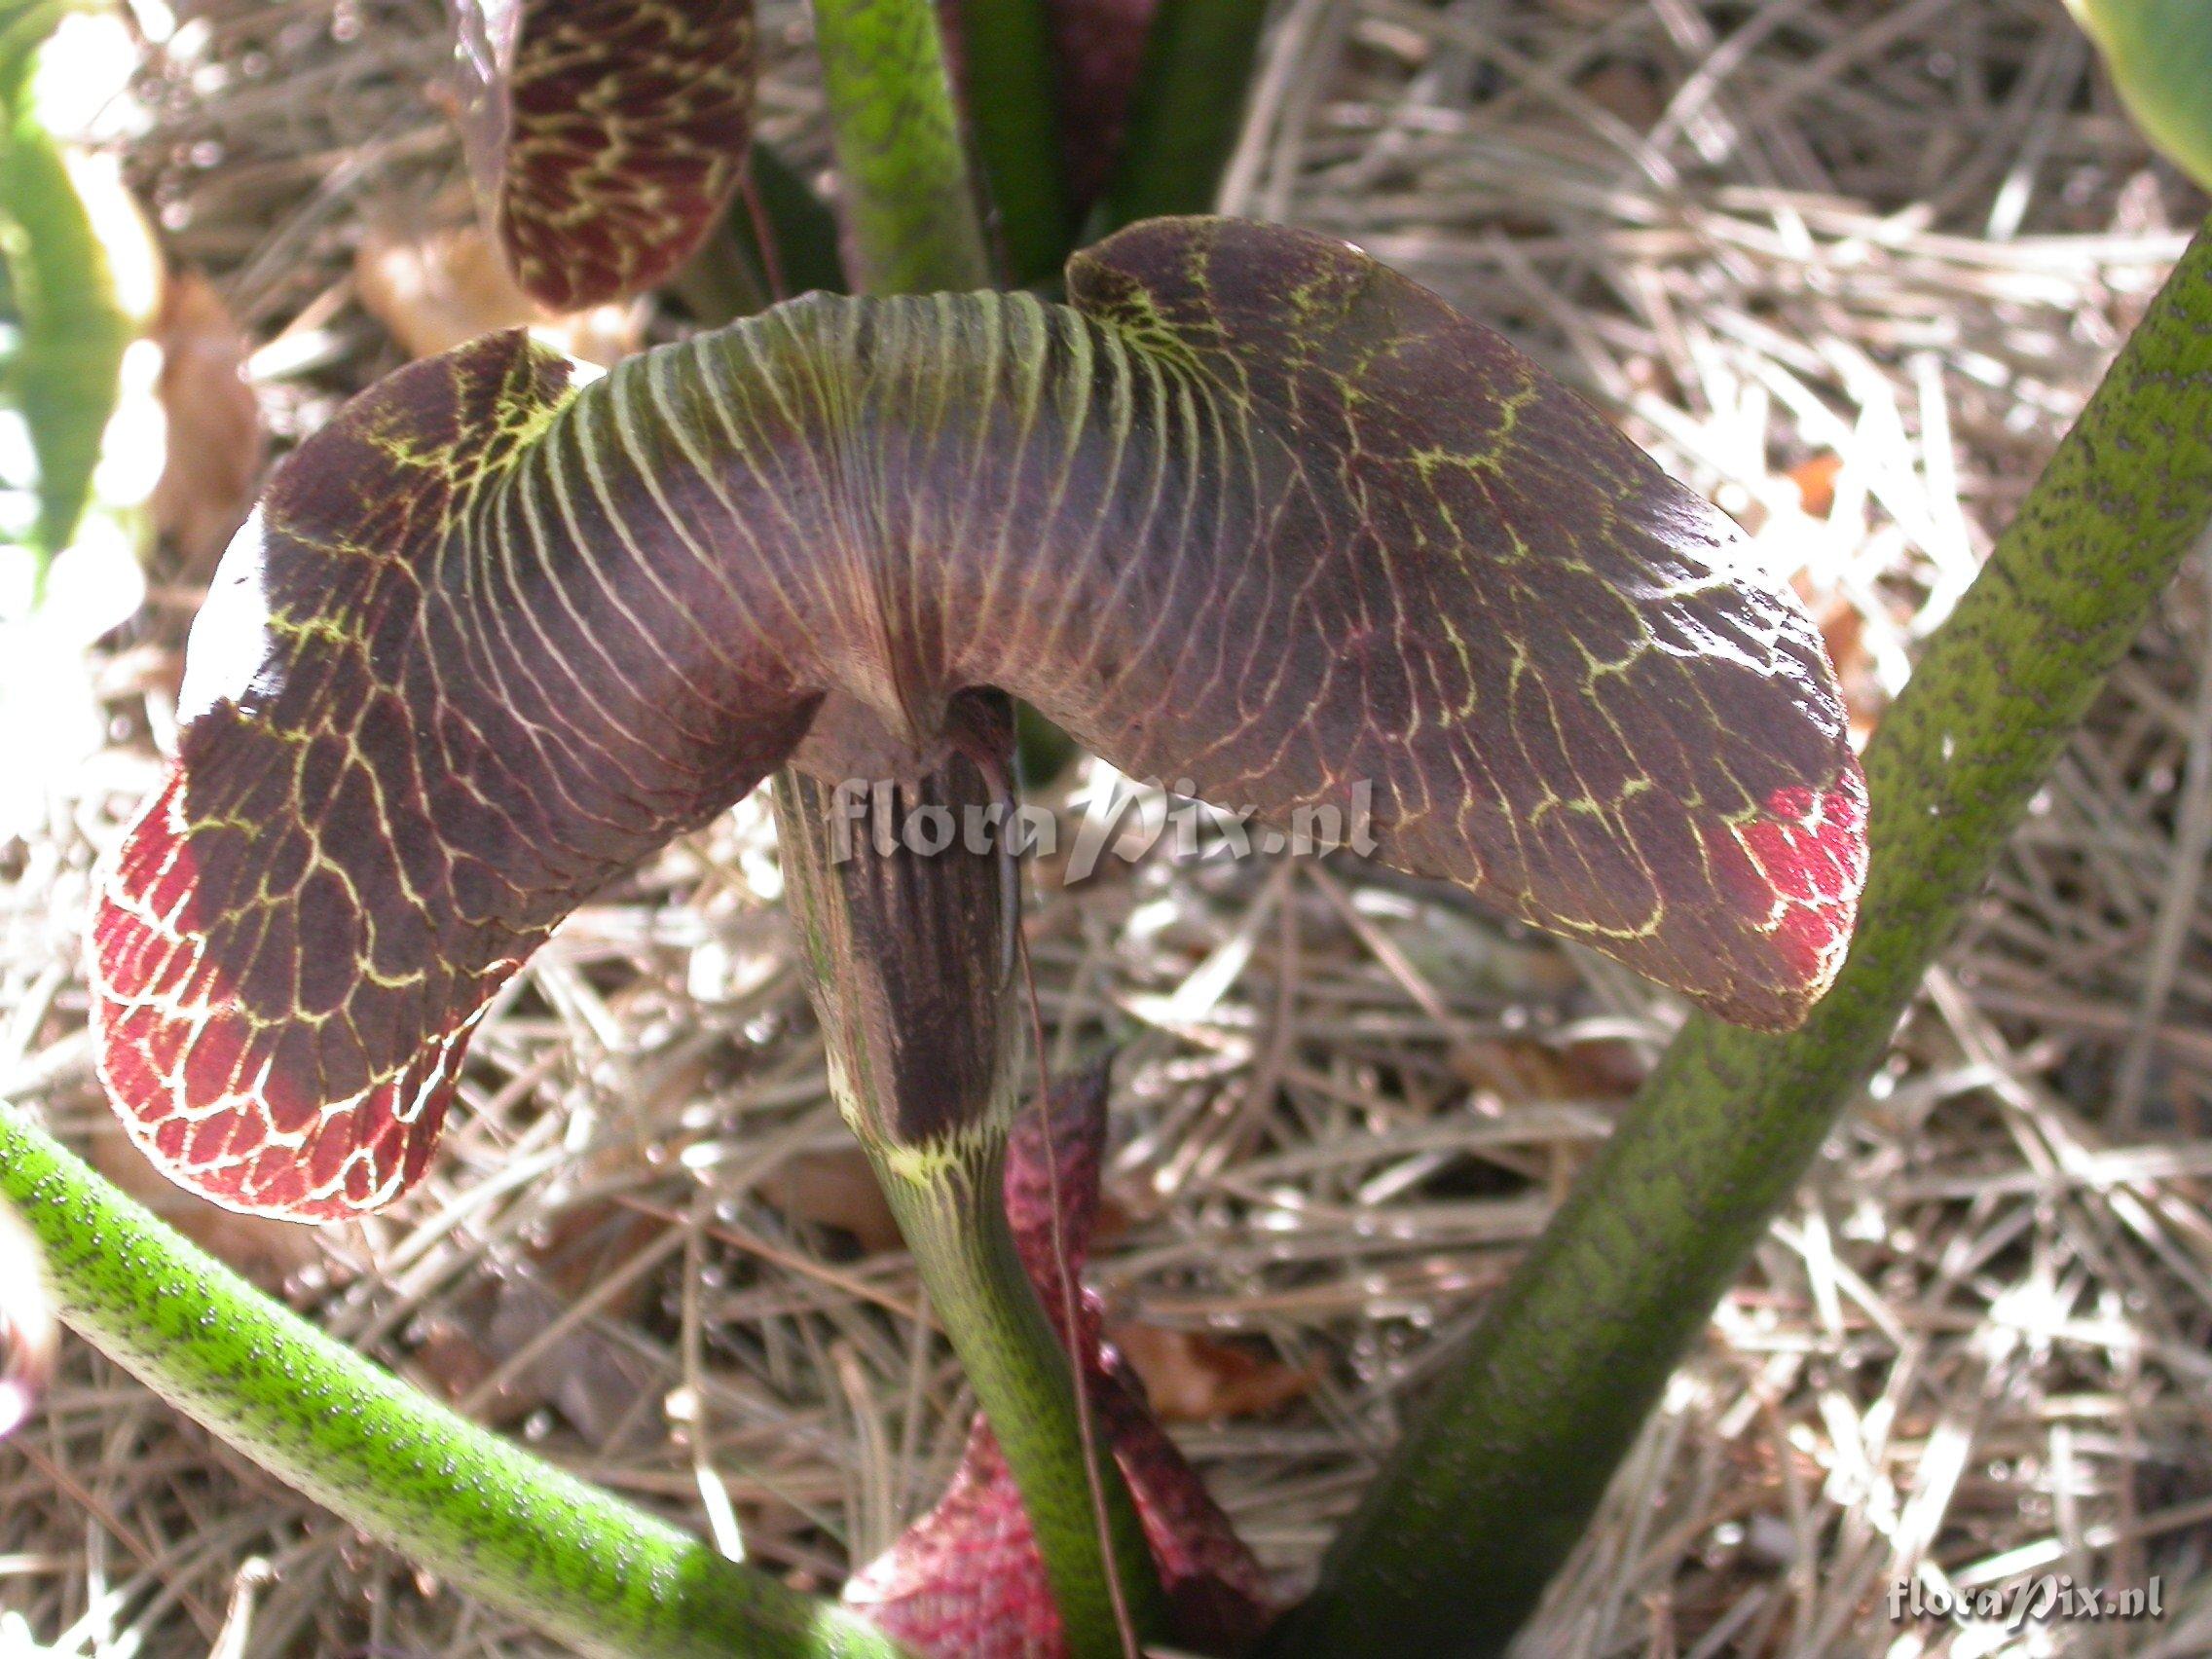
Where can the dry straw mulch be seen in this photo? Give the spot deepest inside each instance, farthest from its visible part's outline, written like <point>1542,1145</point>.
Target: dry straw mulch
<point>1849,266</point>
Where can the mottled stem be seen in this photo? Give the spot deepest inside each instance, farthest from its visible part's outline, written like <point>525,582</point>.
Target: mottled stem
<point>1455,1543</point>
<point>908,201</point>
<point>538,1544</point>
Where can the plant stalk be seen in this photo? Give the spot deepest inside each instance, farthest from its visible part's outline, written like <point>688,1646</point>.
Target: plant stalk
<point>1188,109</point>
<point>913,955</point>
<point>912,960</point>
<point>1454,1544</point>
<point>1006,62</point>
<point>955,1222</point>
<point>909,202</point>
<point>526,1537</point>
<point>800,223</point>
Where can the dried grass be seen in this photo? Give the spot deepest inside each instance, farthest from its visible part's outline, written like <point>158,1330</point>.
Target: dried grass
<point>1849,266</point>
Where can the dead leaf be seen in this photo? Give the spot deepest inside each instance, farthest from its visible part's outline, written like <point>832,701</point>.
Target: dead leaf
<point>1598,1069</point>
<point>509,1303</point>
<point>1626,91</point>
<point>434,291</point>
<point>217,445</point>
<point>1195,1377</point>
<point>584,1373</point>
<point>586,1242</point>
<point>1815,481</point>
<point>454,1363</point>
<point>835,1189</point>
<point>594,1380</point>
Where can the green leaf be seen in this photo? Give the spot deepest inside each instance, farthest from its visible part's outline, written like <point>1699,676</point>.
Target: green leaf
<point>1100,47</point>
<point>63,224</point>
<point>777,239</point>
<point>1069,97</point>
<point>605,137</point>
<point>1253,513</point>
<point>2159,52</point>
<point>24,29</point>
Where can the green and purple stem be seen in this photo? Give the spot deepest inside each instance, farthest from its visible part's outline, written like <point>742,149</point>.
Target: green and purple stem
<point>968,1580</point>
<point>1481,1505</point>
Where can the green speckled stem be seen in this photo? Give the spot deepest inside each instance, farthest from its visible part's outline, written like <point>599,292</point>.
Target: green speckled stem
<point>1457,1540</point>
<point>909,202</point>
<point>542,1545</point>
